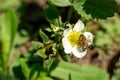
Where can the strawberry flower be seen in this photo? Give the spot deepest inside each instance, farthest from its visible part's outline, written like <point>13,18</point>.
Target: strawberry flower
<point>76,42</point>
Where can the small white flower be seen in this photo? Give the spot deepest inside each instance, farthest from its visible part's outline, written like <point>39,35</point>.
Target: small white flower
<point>76,42</point>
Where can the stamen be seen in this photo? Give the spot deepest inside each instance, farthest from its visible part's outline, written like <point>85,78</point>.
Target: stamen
<point>73,37</point>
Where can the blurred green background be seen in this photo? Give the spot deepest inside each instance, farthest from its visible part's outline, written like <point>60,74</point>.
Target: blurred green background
<point>31,34</point>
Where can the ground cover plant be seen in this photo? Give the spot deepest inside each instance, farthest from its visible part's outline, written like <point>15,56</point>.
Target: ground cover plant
<point>59,40</point>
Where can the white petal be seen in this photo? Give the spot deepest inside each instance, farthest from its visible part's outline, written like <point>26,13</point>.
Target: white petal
<point>67,46</point>
<point>89,37</point>
<point>79,53</point>
<point>78,26</point>
<point>66,32</point>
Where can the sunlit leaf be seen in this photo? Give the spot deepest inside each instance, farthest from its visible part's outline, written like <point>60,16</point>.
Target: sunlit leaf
<point>37,45</point>
<point>34,75</point>
<point>43,76</point>
<point>41,52</point>
<point>9,28</point>
<point>5,4</point>
<point>61,3</point>
<point>49,63</point>
<point>25,69</point>
<point>79,8</point>
<point>70,71</point>
<point>116,75</point>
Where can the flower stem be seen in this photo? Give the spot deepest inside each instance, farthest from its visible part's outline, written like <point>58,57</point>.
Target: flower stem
<point>69,14</point>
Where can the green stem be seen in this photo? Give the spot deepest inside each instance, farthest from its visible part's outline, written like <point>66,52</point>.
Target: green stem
<point>69,14</point>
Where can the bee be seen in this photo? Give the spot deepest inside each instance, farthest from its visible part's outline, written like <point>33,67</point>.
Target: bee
<point>82,41</point>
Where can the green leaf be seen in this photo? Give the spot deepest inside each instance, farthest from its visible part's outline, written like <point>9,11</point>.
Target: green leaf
<point>34,72</point>
<point>5,4</point>
<point>61,3</point>
<point>17,71</point>
<point>70,71</point>
<point>49,63</point>
<point>41,52</point>
<point>51,13</point>
<point>43,76</point>
<point>11,24</point>
<point>19,39</point>
<point>34,75</point>
<point>37,45</point>
<point>100,9</point>
<point>44,37</point>
<point>48,29</point>
<point>25,69</point>
<point>4,75</point>
<point>105,41</point>
<point>52,16</point>
<point>79,8</point>
<point>62,54</point>
<point>116,75</point>
<point>9,27</point>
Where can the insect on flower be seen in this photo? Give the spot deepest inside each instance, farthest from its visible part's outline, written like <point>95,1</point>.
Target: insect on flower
<point>82,41</point>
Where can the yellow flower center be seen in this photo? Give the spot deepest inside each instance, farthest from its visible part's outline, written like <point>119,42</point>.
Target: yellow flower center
<point>73,37</point>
